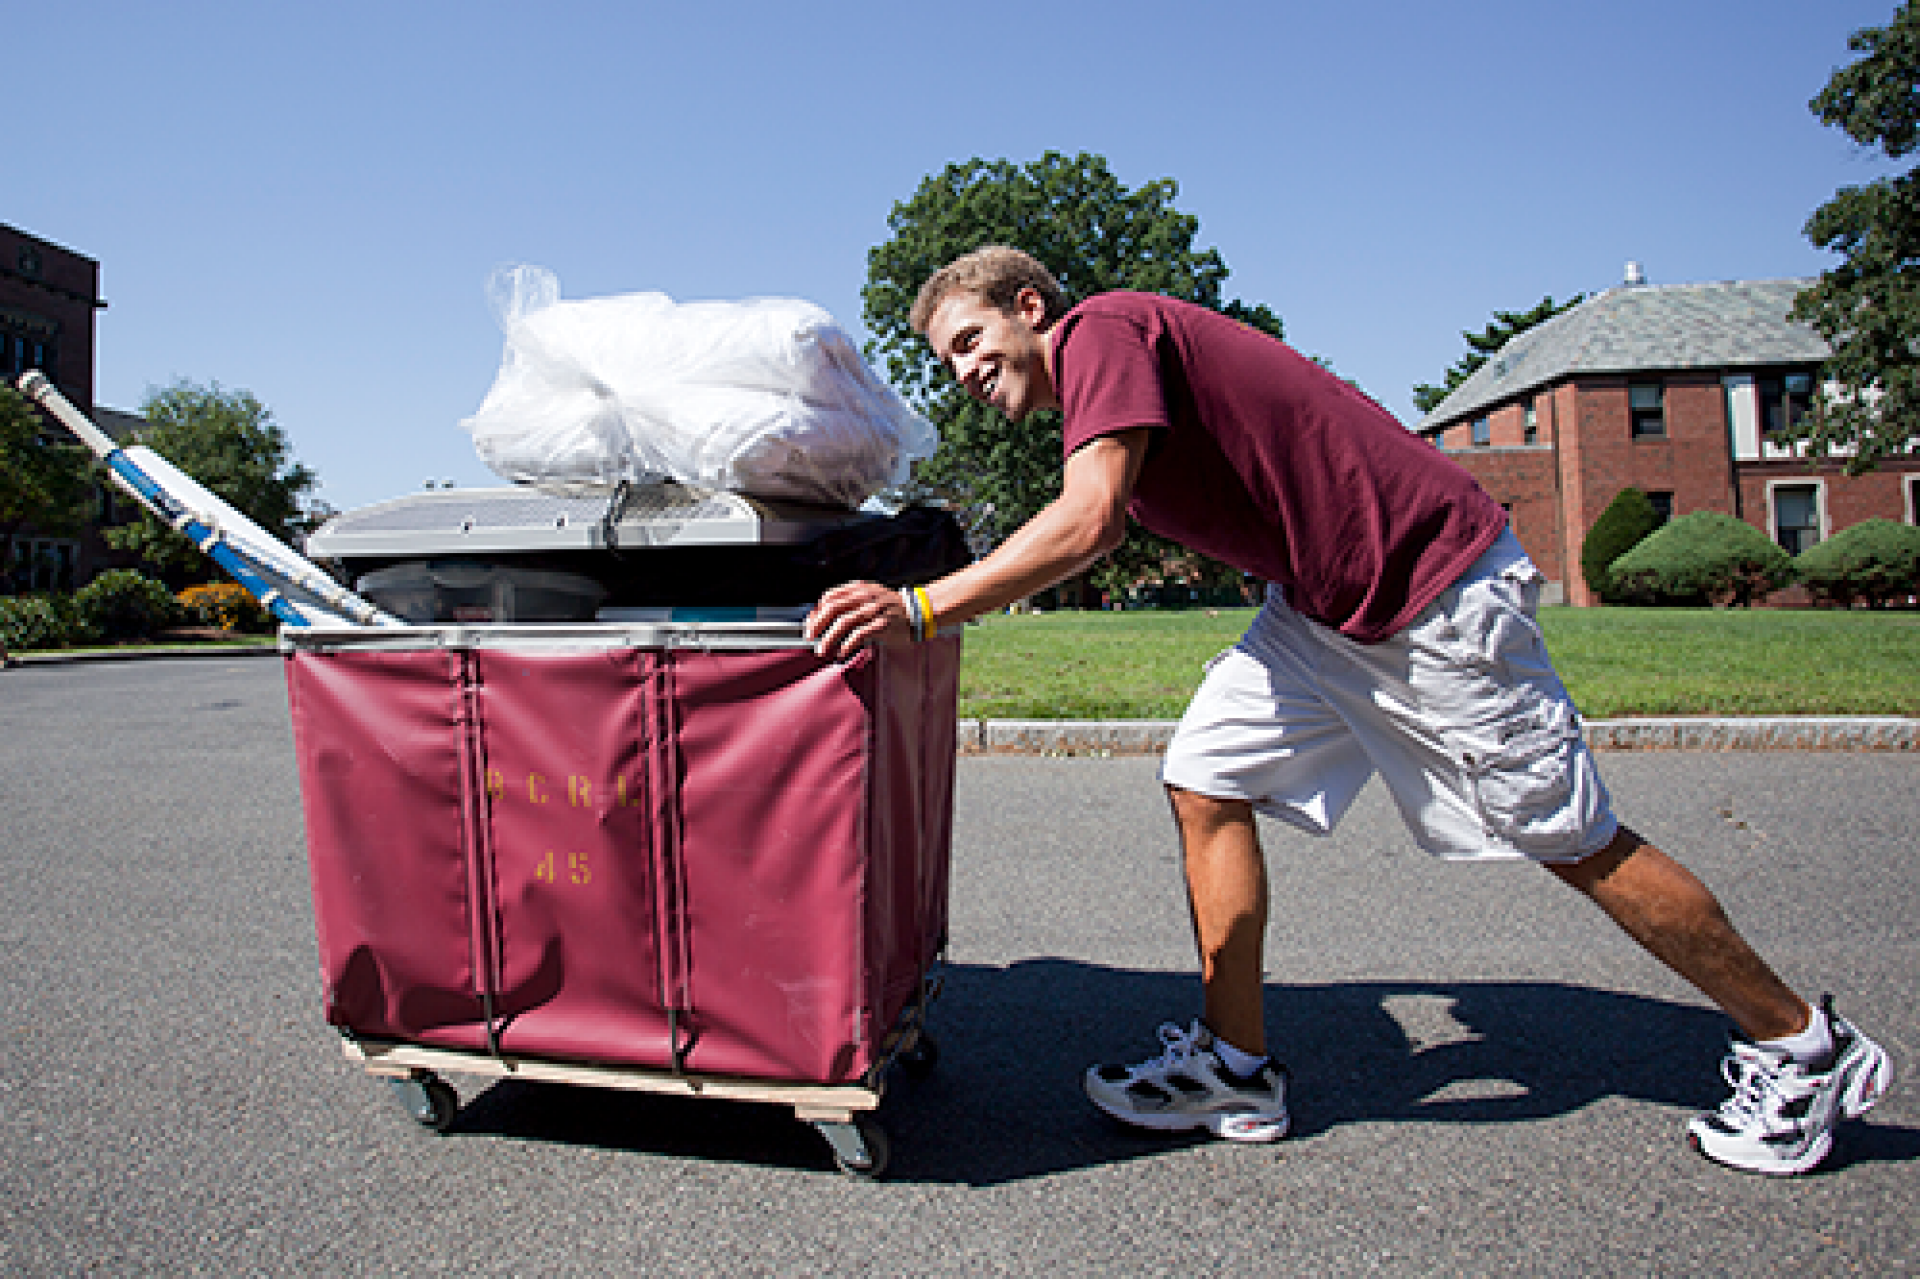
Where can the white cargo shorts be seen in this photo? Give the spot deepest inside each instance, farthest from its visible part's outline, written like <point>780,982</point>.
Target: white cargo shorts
<point>1461,714</point>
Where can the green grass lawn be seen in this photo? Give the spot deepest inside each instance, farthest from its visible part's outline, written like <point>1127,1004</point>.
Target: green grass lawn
<point>1616,662</point>
<point>163,642</point>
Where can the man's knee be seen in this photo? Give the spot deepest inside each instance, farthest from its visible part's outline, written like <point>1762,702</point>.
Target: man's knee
<point>1596,866</point>
<point>1207,811</point>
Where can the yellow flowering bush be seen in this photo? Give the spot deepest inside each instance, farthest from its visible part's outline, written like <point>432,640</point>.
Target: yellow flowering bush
<point>226,605</point>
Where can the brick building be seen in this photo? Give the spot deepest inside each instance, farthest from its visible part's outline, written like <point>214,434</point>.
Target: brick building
<point>49,297</point>
<point>1672,390</point>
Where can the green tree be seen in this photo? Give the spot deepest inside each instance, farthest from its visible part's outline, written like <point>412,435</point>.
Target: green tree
<point>1095,235</point>
<point>1868,307</point>
<point>229,442</point>
<point>1875,562</point>
<point>44,483</point>
<point>1626,522</point>
<point>1482,346</point>
<point>1706,557</point>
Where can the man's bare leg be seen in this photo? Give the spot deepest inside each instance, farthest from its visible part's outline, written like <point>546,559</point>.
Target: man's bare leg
<point>1658,902</point>
<point>1664,908</point>
<point>1227,893</point>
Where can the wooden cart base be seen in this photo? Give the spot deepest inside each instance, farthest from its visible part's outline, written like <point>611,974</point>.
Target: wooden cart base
<point>842,1113</point>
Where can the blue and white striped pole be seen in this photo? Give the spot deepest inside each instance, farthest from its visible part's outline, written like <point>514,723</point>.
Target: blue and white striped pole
<point>247,571</point>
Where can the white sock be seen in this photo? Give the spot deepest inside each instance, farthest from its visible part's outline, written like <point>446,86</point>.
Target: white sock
<point>1810,1045</point>
<point>1240,1063</point>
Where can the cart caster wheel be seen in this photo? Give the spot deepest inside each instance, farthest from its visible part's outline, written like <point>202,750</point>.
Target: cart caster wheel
<point>428,1099</point>
<point>919,1060</point>
<point>859,1148</point>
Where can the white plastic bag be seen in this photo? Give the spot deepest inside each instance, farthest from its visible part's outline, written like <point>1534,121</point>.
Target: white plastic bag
<point>767,396</point>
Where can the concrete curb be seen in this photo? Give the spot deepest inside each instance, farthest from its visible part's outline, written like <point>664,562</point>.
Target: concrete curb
<point>59,657</point>
<point>1763,733</point>
<point>1706,733</point>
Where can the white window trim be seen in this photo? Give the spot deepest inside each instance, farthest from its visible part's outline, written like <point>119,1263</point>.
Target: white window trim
<point>1912,489</point>
<point>1820,509</point>
<point>1743,416</point>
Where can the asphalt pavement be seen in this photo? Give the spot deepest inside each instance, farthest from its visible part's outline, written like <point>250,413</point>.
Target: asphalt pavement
<point>1487,1077</point>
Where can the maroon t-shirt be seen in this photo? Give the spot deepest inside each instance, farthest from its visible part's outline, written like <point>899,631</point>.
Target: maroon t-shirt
<point>1266,461</point>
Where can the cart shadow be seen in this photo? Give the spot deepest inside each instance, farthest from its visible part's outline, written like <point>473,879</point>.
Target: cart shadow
<point>1005,1103</point>
<point>644,1124</point>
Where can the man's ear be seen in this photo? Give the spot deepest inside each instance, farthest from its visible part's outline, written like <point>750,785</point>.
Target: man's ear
<point>1031,308</point>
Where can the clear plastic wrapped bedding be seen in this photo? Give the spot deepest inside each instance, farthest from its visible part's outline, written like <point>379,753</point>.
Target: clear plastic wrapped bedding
<point>766,396</point>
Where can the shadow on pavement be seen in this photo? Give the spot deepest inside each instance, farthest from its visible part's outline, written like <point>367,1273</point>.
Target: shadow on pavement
<point>1005,1102</point>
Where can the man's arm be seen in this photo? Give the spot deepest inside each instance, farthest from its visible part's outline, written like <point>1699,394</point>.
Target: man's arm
<point>1068,536</point>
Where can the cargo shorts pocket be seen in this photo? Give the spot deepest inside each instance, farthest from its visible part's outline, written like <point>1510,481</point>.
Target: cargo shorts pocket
<point>1526,790</point>
<point>1494,625</point>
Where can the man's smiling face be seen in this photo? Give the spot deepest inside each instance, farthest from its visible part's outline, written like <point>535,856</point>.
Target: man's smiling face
<point>1000,358</point>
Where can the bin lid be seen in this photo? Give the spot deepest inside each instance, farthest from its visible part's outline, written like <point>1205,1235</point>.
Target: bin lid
<point>628,518</point>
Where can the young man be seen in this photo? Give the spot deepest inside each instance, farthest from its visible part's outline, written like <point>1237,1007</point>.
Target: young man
<point>1398,637</point>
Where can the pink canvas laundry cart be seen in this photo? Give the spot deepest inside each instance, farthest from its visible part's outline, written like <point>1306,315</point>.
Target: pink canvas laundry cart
<point>674,857</point>
<point>597,815</point>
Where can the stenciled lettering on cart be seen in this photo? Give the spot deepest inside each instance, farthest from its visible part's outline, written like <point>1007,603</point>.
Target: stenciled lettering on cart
<point>572,869</point>
<point>539,788</point>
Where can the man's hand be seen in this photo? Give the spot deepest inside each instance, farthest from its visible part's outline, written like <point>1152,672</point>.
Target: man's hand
<point>1068,536</point>
<point>855,614</point>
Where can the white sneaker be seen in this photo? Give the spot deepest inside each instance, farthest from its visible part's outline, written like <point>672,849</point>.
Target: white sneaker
<point>1187,1086</point>
<point>1781,1117</point>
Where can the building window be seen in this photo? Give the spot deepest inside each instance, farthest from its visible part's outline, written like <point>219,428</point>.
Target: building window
<point>1913,499</point>
<point>1482,433</point>
<point>1646,404</point>
<point>1662,506</point>
<point>1531,434</point>
<point>43,564</point>
<point>1796,516</point>
<point>1785,398</point>
<point>21,350</point>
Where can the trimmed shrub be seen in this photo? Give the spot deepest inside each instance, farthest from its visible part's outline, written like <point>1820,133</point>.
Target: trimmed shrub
<point>228,606</point>
<point>1626,522</point>
<point>1871,563</point>
<point>1703,558</point>
<point>38,621</point>
<point>122,604</point>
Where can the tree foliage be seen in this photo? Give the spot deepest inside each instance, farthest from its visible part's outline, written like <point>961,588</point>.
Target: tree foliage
<point>122,604</point>
<point>1626,522</point>
<point>39,621</point>
<point>1707,557</point>
<point>44,483</point>
<point>1875,562</point>
<point>229,442</point>
<point>1481,346</point>
<point>1095,235</point>
<point>1868,307</point>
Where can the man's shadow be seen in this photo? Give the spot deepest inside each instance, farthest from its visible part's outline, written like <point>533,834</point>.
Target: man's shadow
<point>1005,1101</point>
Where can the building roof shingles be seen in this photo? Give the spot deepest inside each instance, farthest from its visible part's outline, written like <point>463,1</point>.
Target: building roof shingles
<point>1728,324</point>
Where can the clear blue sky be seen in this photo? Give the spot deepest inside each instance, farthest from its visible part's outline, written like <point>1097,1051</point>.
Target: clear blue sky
<point>306,200</point>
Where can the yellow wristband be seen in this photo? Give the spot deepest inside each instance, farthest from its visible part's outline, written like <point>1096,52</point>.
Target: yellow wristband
<point>931,630</point>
